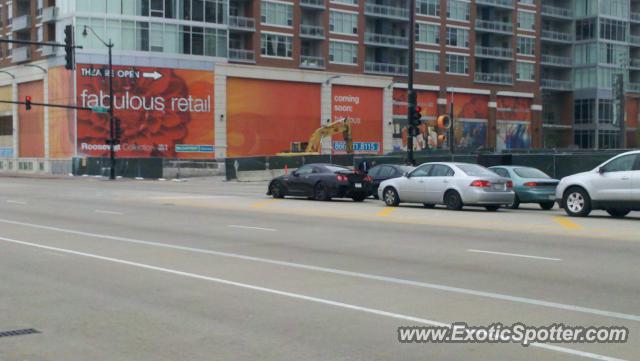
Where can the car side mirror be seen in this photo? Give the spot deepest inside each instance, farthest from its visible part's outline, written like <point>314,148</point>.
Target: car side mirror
<point>407,175</point>
<point>601,170</point>
<point>295,174</point>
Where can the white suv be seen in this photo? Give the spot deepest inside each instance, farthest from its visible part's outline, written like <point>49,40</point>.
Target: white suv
<point>613,186</point>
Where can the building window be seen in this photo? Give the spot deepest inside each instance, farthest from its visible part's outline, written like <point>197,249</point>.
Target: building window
<point>457,64</point>
<point>526,46</point>
<point>277,45</point>
<point>585,78</point>
<point>605,111</point>
<point>343,23</point>
<point>427,33</point>
<point>526,20</point>
<point>427,61</point>
<point>428,7</point>
<point>276,14</point>
<point>458,37</point>
<point>613,30</point>
<point>584,138</point>
<point>608,139</point>
<point>525,71</point>
<point>458,10</point>
<point>348,2</point>
<point>585,29</point>
<point>343,53</point>
<point>583,111</point>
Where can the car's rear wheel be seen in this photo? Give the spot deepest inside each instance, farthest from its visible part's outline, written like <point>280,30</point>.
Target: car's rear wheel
<point>577,202</point>
<point>321,192</point>
<point>428,205</point>
<point>547,205</point>
<point>277,190</point>
<point>492,208</point>
<point>516,203</point>
<point>359,197</point>
<point>453,201</point>
<point>617,212</point>
<point>390,197</point>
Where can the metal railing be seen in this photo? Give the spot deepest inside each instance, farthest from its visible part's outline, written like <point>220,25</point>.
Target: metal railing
<point>49,14</point>
<point>242,55</point>
<point>494,52</point>
<point>633,87</point>
<point>21,22</point>
<point>635,17</point>
<point>557,36</point>
<point>556,84</point>
<point>495,26</point>
<point>634,63</point>
<point>634,39</point>
<point>319,4</point>
<point>311,31</point>
<point>242,23</point>
<point>21,54</point>
<point>501,3</point>
<point>494,78</point>
<point>385,68</point>
<point>386,11</point>
<point>386,40</point>
<point>557,11</point>
<point>314,62</point>
<point>556,60</point>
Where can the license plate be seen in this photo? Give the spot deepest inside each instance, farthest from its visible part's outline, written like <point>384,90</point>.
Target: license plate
<point>358,185</point>
<point>552,197</point>
<point>498,187</point>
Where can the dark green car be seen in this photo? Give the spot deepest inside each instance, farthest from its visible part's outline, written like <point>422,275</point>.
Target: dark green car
<point>531,185</point>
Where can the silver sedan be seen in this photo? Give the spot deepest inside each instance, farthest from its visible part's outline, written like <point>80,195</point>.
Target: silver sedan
<point>453,184</point>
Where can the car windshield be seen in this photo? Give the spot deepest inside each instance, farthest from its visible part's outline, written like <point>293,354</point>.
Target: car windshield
<point>530,173</point>
<point>335,169</point>
<point>475,170</point>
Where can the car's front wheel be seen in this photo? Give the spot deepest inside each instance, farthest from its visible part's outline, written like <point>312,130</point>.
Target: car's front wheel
<point>547,205</point>
<point>277,190</point>
<point>516,203</point>
<point>390,197</point>
<point>577,202</point>
<point>618,213</point>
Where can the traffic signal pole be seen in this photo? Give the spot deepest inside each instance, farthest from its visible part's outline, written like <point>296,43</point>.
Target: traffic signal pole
<point>112,128</point>
<point>411,96</point>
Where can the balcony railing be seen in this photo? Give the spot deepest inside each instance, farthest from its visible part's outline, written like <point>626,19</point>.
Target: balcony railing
<point>21,23</point>
<point>242,55</point>
<point>385,68</point>
<point>242,23</point>
<point>494,26</point>
<point>635,17</point>
<point>556,84</point>
<point>553,35</point>
<point>49,14</point>
<point>557,11</point>
<point>633,87</point>
<point>494,78</point>
<point>311,62</point>
<point>634,63</point>
<point>311,31</point>
<point>316,4</point>
<point>386,40</point>
<point>21,54</point>
<point>386,11</point>
<point>494,52</point>
<point>47,50</point>
<point>509,4</point>
<point>556,60</point>
<point>634,39</point>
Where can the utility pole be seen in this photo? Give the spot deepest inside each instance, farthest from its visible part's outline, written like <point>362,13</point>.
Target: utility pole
<point>411,95</point>
<point>621,110</point>
<point>452,140</point>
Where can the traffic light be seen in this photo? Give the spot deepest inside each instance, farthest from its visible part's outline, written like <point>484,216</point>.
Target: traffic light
<point>69,49</point>
<point>414,110</point>
<point>27,102</point>
<point>117,130</point>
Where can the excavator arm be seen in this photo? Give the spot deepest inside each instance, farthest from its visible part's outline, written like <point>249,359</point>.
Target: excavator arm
<point>340,126</point>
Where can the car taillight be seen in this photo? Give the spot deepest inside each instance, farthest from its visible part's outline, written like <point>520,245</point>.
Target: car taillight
<point>342,178</point>
<point>530,184</point>
<point>480,183</point>
<point>368,178</point>
<point>509,184</point>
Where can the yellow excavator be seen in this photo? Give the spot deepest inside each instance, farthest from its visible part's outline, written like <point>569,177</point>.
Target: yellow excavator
<point>313,146</point>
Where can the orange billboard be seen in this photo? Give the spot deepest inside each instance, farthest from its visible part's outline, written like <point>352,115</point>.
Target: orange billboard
<point>31,122</point>
<point>61,126</point>
<point>427,100</point>
<point>468,106</point>
<point>363,106</point>
<point>163,112</point>
<point>512,108</point>
<point>265,117</point>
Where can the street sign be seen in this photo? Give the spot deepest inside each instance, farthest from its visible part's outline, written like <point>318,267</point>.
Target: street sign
<point>100,109</point>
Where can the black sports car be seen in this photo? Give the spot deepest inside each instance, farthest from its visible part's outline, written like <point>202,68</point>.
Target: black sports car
<point>383,172</point>
<point>322,182</point>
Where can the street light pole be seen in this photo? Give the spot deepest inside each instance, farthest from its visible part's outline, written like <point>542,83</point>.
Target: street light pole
<point>410,92</point>
<point>112,127</point>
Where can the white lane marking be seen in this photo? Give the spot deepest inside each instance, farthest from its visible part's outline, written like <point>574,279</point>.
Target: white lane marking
<point>249,227</point>
<point>108,212</point>
<point>16,202</point>
<point>299,296</point>
<point>465,291</point>
<point>514,255</point>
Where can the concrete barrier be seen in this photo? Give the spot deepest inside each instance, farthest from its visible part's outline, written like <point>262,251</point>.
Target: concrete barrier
<point>36,166</point>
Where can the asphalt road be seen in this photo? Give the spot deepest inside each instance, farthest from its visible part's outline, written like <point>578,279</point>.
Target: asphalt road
<point>209,270</point>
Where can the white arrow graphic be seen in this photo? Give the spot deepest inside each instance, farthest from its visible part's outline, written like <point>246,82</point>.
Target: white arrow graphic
<point>155,75</point>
